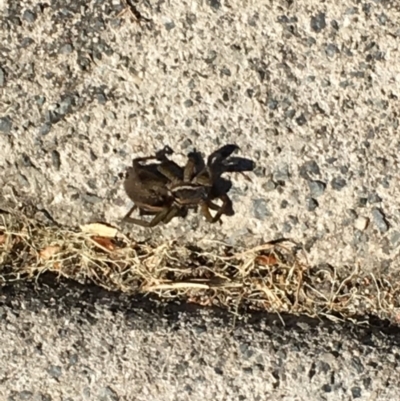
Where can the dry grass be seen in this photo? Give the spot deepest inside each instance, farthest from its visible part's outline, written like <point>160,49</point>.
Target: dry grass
<point>274,277</point>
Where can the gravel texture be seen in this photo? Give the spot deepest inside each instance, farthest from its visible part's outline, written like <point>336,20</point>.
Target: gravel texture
<point>68,342</point>
<point>308,90</point>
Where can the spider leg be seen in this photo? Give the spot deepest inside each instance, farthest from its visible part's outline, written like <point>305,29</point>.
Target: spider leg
<point>167,172</point>
<point>206,212</point>
<point>160,216</point>
<point>227,205</point>
<point>225,208</point>
<point>131,210</point>
<point>189,170</point>
<point>161,155</point>
<point>173,211</point>
<point>213,205</point>
<point>221,154</point>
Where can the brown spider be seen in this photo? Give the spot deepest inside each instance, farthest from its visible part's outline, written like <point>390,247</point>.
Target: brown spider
<point>165,190</point>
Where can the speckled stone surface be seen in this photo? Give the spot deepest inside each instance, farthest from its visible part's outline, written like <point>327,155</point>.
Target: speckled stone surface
<point>309,90</point>
<point>68,342</point>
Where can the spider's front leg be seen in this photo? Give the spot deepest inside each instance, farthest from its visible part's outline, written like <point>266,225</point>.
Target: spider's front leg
<point>158,218</point>
<point>221,154</point>
<point>226,208</point>
<point>160,155</point>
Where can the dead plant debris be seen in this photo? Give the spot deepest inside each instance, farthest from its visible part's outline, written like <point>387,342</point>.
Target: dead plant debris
<point>274,277</point>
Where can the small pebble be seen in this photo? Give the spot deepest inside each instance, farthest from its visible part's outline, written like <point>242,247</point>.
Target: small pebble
<point>55,371</point>
<point>356,392</point>
<point>359,238</point>
<point>311,204</point>
<point>52,117</point>
<point>357,364</point>
<point>55,157</point>
<point>335,25</point>
<point>301,120</point>
<point>362,202</point>
<point>282,174</point>
<point>259,171</point>
<point>310,167</point>
<point>66,49</point>
<point>331,50</point>
<point>5,124</point>
<point>26,161</point>
<point>26,42</point>
<point>92,183</point>
<point>169,25</point>
<point>272,104</point>
<point>40,100</point>
<point>188,103</point>
<point>380,220</point>
<point>382,18</point>
<point>2,78</point>
<point>65,106</point>
<point>326,388</point>
<point>216,4</point>
<point>260,209</point>
<point>25,395</point>
<point>226,71</point>
<point>29,16</point>
<point>90,198</point>
<point>101,98</point>
<point>269,186</point>
<point>45,129</point>
<point>317,188</point>
<point>111,115</point>
<point>361,223</point>
<point>395,238</point>
<point>23,181</point>
<point>290,113</point>
<point>374,198</point>
<point>318,22</point>
<point>108,394</point>
<point>93,156</point>
<point>338,183</point>
<point>246,350</point>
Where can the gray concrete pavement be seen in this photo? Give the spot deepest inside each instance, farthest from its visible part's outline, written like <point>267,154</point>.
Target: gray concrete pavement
<point>309,90</point>
<point>69,342</point>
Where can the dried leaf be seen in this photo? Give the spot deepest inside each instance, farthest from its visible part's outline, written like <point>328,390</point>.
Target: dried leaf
<point>3,239</point>
<point>49,251</point>
<point>99,229</point>
<point>104,243</point>
<point>57,266</point>
<point>266,260</point>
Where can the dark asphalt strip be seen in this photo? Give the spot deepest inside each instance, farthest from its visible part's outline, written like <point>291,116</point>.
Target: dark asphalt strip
<point>64,296</point>
<point>180,351</point>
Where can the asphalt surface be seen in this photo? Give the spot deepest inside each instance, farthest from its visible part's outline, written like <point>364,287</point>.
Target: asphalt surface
<point>63,341</point>
<point>308,90</point>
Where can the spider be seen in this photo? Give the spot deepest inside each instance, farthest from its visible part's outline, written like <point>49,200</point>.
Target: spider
<point>166,190</point>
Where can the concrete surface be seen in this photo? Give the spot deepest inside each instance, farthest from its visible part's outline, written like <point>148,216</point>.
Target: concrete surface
<point>67,342</point>
<point>307,89</point>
